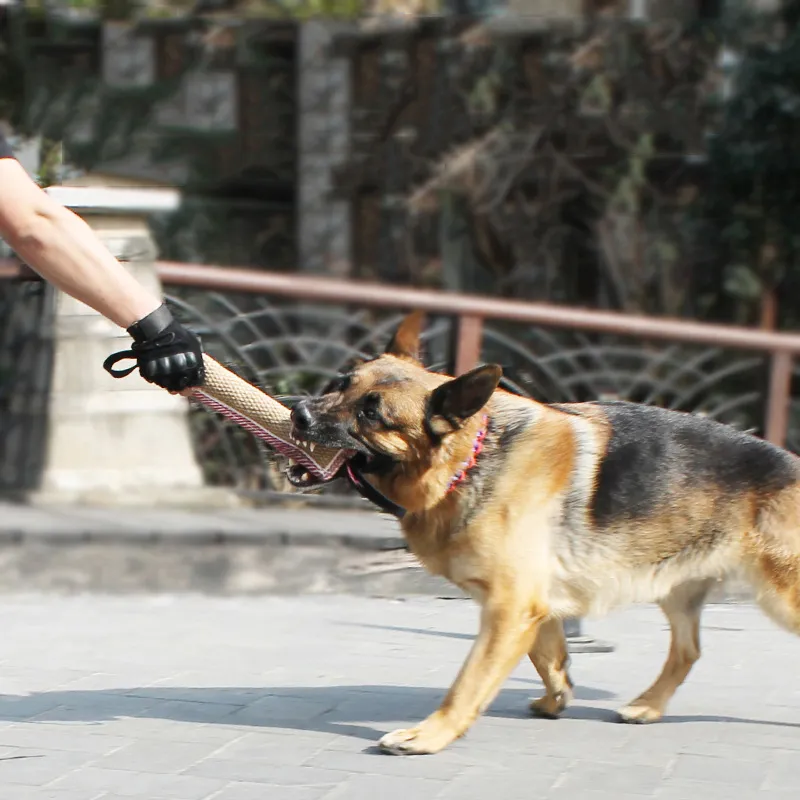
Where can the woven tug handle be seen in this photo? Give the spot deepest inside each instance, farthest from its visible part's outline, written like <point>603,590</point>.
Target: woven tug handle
<point>226,393</point>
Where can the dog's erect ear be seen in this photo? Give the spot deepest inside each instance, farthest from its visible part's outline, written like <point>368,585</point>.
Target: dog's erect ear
<point>405,342</point>
<point>454,402</point>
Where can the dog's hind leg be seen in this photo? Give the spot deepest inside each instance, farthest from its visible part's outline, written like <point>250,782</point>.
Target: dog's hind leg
<point>682,608</point>
<point>550,657</point>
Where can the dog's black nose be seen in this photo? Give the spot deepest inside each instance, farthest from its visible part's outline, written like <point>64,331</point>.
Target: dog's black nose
<point>301,416</point>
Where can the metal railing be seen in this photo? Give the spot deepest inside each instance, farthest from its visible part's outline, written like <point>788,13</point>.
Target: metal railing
<point>471,312</point>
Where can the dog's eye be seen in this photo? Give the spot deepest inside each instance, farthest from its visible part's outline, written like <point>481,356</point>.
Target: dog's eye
<point>369,410</point>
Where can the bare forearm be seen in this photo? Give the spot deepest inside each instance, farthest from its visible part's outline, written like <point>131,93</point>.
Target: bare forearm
<point>65,251</point>
<point>62,248</point>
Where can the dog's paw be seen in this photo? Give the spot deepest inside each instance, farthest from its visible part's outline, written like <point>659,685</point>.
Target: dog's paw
<point>639,714</point>
<point>425,739</point>
<point>550,706</point>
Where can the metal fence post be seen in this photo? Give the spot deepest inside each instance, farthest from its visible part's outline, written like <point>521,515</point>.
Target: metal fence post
<point>467,344</point>
<point>776,425</point>
<point>577,642</point>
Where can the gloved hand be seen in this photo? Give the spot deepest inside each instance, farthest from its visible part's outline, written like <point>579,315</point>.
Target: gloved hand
<point>167,353</point>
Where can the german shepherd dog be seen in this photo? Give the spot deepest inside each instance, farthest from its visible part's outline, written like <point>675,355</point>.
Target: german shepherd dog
<point>543,512</point>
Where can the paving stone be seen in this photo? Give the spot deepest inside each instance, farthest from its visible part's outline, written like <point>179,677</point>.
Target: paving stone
<point>479,784</point>
<point>371,787</point>
<point>52,737</point>
<point>632,779</point>
<point>35,767</point>
<point>702,790</point>
<point>260,791</point>
<point>161,757</point>
<point>720,770</point>
<point>43,793</point>
<point>259,771</point>
<point>97,780</point>
<point>373,762</point>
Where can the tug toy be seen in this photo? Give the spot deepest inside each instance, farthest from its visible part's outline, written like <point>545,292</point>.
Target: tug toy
<point>263,416</point>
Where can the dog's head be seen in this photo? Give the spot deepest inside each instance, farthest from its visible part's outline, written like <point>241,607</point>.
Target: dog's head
<point>392,412</point>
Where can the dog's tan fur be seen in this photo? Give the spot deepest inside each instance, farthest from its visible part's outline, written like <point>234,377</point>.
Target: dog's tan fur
<point>554,525</point>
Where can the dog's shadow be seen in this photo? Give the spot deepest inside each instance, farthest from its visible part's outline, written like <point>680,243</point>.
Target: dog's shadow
<point>341,710</point>
<point>338,710</point>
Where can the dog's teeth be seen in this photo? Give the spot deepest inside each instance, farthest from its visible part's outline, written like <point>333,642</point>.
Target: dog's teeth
<point>311,447</point>
<point>292,462</point>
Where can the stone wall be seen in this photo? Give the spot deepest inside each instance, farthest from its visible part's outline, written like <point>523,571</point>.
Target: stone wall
<point>324,108</point>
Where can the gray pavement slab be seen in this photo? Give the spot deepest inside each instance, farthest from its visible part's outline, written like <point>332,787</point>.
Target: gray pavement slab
<point>275,523</point>
<point>185,697</point>
<point>271,549</point>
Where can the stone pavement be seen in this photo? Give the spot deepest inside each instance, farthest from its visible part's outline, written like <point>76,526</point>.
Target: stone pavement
<point>194,698</point>
<point>288,547</point>
<point>279,549</point>
<point>292,522</point>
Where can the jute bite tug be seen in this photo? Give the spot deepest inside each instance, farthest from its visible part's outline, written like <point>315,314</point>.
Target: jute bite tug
<point>224,392</point>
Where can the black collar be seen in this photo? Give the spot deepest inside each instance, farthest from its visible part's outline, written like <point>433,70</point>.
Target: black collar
<point>369,492</point>
<point>357,480</point>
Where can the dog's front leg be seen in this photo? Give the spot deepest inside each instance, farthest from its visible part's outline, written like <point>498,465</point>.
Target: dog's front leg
<point>508,630</point>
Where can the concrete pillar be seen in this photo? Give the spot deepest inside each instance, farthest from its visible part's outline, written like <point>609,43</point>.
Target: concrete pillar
<point>532,15</point>
<point>115,442</point>
<point>323,88</point>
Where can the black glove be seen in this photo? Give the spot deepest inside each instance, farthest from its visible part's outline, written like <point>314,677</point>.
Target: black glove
<point>166,353</point>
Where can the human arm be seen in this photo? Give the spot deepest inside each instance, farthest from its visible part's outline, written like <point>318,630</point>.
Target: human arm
<point>65,251</point>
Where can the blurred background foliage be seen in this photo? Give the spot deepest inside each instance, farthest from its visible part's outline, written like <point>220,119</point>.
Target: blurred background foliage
<point>642,162</point>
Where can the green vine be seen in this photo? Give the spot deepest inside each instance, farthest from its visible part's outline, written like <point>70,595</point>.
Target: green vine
<point>754,160</point>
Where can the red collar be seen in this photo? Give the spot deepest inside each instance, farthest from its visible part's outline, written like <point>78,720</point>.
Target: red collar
<point>477,446</point>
